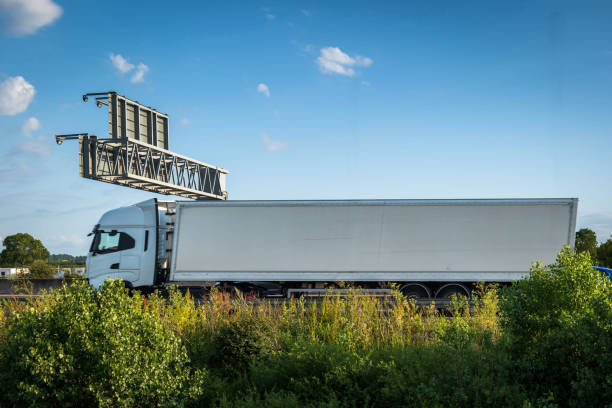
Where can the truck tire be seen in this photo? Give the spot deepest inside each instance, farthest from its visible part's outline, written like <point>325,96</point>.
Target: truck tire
<point>415,291</point>
<point>448,290</point>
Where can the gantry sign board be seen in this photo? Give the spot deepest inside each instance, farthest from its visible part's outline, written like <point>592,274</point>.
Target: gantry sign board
<point>130,119</point>
<point>136,154</point>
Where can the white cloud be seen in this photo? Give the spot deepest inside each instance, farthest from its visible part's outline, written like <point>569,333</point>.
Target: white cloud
<point>29,126</point>
<point>138,76</point>
<point>270,16</point>
<point>124,66</point>
<point>333,61</point>
<point>184,121</point>
<point>273,145</point>
<point>23,17</point>
<point>263,89</point>
<point>121,63</point>
<point>15,95</point>
<point>307,13</point>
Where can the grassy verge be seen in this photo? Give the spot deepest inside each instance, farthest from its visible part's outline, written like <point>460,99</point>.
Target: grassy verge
<point>544,341</point>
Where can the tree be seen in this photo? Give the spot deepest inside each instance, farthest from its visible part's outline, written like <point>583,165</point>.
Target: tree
<point>604,254</point>
<point>22,249</point>
<point>41,269</point>
<point>558,327</point>
<point>586,240</point>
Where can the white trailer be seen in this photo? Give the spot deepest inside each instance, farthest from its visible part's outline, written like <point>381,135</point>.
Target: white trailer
<point>431,248</point>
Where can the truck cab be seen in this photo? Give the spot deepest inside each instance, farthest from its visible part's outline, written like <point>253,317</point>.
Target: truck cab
<point>125,246</point>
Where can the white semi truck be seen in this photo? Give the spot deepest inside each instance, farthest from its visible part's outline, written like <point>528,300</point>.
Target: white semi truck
<point>430,248</point>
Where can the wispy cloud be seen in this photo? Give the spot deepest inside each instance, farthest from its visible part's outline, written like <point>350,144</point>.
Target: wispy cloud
<point>263,89</point>
<point>40,147</point>
<point>124,66</point>
<point>25,159</point>
<point>16,94</point>
<point>29,126</point>
<point>121,63</point>
<point>306,12</point>
<point>267,14</point>
<point>184,121</point>
<point>73,241</point>
<point>141,70</point>
<point>13,171</point>
<point>23,17</point>
<point>272,145</point>
<point>333,61</point>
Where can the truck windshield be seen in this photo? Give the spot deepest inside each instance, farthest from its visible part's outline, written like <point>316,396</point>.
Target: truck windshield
<point>111,241</point>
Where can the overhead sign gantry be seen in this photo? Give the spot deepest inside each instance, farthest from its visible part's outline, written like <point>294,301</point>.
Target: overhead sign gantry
<point>137,155</point>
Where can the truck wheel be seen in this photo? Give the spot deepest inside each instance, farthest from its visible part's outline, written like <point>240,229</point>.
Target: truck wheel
<point>448,290</point>
<point>415,291</point>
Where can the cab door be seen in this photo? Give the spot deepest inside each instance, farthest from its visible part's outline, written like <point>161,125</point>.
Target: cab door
<point>131,252</point>
<point>114,254</point>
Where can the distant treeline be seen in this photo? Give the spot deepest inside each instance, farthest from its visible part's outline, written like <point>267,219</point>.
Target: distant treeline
<point>67,259</point>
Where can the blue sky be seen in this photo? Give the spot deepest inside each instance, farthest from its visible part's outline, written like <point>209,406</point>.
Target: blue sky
<point>312,100</point>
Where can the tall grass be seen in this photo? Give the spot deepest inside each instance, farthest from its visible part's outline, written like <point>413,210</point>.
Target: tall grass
<point>357,321</point>
<point>339,350</point>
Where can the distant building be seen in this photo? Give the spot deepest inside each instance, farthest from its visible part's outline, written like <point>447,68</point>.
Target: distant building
<point>8,272</point>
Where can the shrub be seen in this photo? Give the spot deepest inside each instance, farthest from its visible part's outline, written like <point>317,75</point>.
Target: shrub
<point>240,343</point>
<point>557,324</point>
<point>40,269</point>
<point>79,347</point>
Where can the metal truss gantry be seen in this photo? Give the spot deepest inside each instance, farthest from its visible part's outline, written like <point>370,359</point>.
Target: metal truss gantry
<point>125,160</point>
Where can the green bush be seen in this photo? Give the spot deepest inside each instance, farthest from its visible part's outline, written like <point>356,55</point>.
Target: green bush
<point>462,368</point>
<point>240,343</point>
<point>40,269</point>
<point>557,326</point>
<point>79,347</point>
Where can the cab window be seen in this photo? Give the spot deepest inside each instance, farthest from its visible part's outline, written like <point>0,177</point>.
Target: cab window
<point>111,241</point>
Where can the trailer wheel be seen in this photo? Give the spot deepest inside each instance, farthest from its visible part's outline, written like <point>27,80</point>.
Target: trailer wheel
<point>448,290</point>
<point>415,291</point>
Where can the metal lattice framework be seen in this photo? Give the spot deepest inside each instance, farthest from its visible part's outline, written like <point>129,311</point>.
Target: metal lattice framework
<point>140,165</point>
<point>136,153</point>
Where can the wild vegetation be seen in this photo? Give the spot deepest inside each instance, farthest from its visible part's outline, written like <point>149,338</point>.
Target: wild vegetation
<point>544,341</point>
